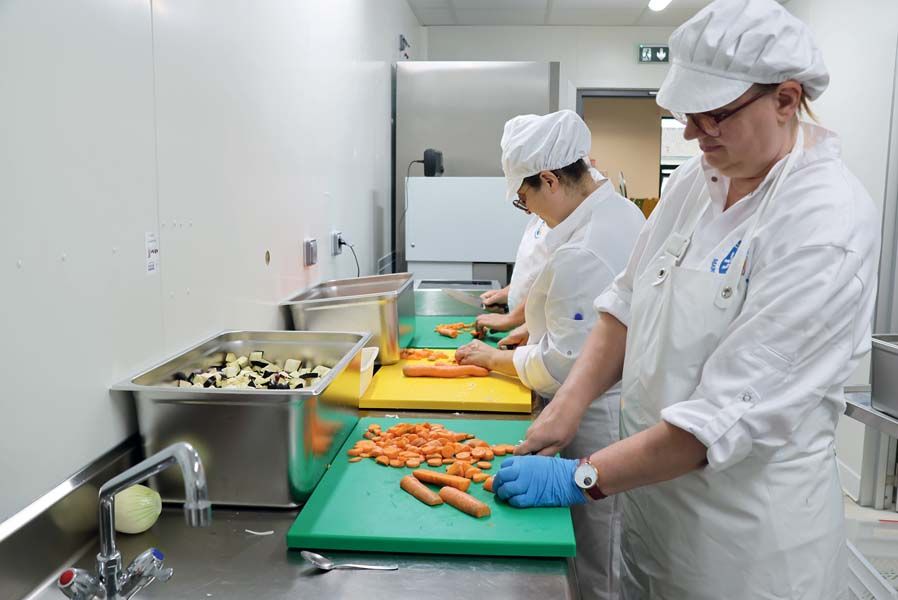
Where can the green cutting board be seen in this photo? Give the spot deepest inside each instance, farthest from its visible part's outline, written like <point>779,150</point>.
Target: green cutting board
<point>360,506</point>
<point>426,337</point>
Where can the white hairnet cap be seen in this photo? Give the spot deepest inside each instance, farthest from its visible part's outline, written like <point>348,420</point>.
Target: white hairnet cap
<point>534,143</point>
<point>730,45</point>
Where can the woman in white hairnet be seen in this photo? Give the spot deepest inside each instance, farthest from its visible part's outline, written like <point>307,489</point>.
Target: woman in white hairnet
<point>591,231</point>
<point>741,314</point>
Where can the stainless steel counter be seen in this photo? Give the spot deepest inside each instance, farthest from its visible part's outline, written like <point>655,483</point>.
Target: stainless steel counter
<point>224,562</point>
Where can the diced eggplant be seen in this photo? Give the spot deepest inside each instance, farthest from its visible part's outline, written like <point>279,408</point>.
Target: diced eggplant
<point>294,375</point>
<point>321,370</point>
<point>179,376</point>
<point>184,383</point>
<point>209,382</point>
<point>309,376</point>
<point>292,364</point>
<point>262,381</point>
<point>295,383</point>
<point>256,356</point>
<point>270,369</point>
<point>261,364</point>
<point>242,362</point>
<point>230,357</point>
<point>251,383</point>
<point>231,371</point>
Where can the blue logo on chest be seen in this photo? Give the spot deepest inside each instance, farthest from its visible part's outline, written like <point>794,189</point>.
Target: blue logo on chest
<point>724,265</point>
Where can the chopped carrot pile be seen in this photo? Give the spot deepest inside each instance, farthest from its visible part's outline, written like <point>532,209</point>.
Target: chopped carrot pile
<point>410,445</point>
<point>452,330</point>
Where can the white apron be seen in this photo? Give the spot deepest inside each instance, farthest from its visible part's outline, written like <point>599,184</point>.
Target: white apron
<point>757,530</point>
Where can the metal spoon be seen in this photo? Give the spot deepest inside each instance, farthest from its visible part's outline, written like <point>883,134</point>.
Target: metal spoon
<point>326,564</point>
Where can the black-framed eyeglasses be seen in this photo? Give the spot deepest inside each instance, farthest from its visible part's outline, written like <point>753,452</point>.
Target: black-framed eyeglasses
<point>709,122</point>
<point>518,203</point>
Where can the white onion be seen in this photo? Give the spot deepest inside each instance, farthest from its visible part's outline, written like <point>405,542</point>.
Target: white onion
<point>136,509</point>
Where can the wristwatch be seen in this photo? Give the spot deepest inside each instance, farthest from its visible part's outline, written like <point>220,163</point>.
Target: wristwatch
<point>587,479</point>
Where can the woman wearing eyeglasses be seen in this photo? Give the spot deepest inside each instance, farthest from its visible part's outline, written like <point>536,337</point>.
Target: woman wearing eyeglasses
<point>590,232</point>
<point>743,310</point>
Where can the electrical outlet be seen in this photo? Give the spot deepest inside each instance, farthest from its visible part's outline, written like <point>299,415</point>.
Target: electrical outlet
<point>336,238</point>
<point>310,252</point>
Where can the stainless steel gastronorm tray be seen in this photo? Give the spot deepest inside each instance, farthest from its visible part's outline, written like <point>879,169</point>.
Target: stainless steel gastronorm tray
<point>383,305</point>
<point>259,447</point>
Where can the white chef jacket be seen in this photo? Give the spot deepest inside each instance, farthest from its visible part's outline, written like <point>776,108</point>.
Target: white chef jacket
<point>811,274</point>
<point>586,251</point>
<point>530,260</point>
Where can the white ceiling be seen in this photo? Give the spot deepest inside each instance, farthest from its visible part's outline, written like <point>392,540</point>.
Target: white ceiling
<point>552,12</point>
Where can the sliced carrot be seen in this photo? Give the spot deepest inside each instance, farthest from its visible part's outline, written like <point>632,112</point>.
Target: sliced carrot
<point>470,472</point>
<point>447,332</point>
<point>445,479</point>
<point>464,502</point>
<point>412,464</point>
<point>480,477</point>
<point>397,463</point>
<point>435,462</point>
<point>448,461</point>
<point>382,460</point>
<point>355,459</point>
<point>499,450</point>
<point>353,452</point>
<point>463,455</point>
<point>420,491</point>
<point>488,484</point>
<point>484,465</point>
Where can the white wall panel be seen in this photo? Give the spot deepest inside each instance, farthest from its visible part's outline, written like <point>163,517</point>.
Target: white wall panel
<point>274,126</point>
<point>77,194</point>
<point>230,127</point>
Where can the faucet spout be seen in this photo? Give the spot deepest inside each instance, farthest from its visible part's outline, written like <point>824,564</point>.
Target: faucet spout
<point>197,509</point>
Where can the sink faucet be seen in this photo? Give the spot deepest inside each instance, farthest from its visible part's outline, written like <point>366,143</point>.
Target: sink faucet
<point>112,582</point>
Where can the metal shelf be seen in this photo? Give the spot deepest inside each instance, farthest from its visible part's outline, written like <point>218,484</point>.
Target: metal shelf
<point>859,407</point>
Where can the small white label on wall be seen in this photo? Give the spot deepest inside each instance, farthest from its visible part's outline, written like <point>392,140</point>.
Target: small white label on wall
<point>152,255</point>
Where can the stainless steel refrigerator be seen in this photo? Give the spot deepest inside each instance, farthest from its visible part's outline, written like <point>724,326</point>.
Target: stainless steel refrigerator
<point>460,109</point>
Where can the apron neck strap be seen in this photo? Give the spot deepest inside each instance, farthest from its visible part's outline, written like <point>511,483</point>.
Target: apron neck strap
<point>733,277</point>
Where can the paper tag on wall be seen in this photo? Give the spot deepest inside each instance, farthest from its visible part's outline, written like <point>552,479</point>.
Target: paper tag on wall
<point>152,252</point>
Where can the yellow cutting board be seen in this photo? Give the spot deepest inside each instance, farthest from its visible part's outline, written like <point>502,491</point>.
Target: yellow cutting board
<point>496,393</point>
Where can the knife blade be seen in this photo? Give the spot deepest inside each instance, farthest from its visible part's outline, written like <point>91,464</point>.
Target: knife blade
<point>474,301</point>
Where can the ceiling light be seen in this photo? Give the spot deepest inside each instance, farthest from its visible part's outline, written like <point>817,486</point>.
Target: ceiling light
<point>658,5</point>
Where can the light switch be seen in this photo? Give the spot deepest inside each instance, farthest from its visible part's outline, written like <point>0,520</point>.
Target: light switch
<point>310,252</point>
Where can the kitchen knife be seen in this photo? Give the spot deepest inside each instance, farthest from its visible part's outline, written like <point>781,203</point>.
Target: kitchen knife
<point>474,301</point>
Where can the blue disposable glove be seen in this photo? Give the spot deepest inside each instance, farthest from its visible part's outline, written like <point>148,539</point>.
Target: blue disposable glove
<point>526,481</point>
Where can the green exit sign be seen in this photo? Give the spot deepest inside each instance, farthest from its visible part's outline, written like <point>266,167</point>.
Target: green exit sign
<point>653,53</point>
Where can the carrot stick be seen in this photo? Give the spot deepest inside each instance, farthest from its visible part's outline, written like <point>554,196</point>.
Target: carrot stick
<point>464,502</point>
<point>437,478</point>
<point>420,491</point>
<point>447,371</point>
<point>488,484</point>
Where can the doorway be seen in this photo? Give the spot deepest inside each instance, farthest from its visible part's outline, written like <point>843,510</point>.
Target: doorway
<point>635,143</point>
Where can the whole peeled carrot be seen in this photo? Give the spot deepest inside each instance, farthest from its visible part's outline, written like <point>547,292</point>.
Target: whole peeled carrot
<point>446,371</point>
<point>420,491</point>
<point>438,478</point>
<point>464,502</point>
